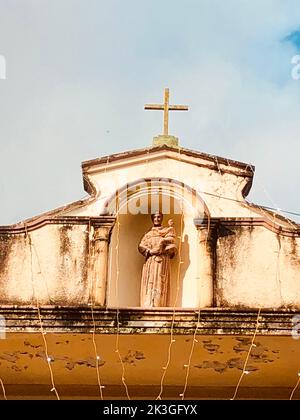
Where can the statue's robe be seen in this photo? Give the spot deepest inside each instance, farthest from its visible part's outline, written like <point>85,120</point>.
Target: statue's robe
<point>155,281</point>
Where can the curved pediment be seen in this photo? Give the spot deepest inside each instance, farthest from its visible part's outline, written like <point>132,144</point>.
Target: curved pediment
<point>146,195</point>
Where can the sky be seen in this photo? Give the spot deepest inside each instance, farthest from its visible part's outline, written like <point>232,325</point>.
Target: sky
<point>78,73</point>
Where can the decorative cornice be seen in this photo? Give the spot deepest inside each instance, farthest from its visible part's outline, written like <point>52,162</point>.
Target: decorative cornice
<point>215,222</point>
<point>217,321</point>
<point>23,228</point>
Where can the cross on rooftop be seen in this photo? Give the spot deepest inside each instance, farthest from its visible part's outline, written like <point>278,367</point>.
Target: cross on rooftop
<point>166,108</point>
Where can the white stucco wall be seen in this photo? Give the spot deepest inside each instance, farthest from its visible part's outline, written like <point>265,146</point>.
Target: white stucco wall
<point>52,270</point>
<point>257,268</point>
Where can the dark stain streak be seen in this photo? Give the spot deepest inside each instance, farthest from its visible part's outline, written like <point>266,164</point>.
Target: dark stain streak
<point>244,340</point>
<point>211,348</point>
<point>27,343</point>
<point>10,357</point>
<point>294,255</point>
<point>65,242</point>
<point>219,367</point>
<point>71,364</point>
<point>16,368</point>
<point>132,356</point>
<point>6,243</point>
<point>258,354</point>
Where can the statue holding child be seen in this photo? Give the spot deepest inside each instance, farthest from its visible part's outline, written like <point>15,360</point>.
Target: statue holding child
<point>158,246</point>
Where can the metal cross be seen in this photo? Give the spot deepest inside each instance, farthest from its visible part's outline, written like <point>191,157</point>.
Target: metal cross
<point>166,108</point>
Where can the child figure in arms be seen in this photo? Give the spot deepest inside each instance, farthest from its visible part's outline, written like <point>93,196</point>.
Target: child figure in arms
<point>168,235</point>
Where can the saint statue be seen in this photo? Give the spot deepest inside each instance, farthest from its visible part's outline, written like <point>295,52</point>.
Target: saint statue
<point>158,246</point>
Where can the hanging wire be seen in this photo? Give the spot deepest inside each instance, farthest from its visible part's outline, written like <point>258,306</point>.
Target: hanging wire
<point>295,388</point>
<point>92,304</point>
<point>118,312</point>
<point>53,389</point>
<point>245,372</point>
<point>43,333</point>
<point>261,207</point>
<point>97,357</point>
<point>194,341</point>
<point>172,340</point>
<point>3,389</point>
<point>278,277</point>
<point>269,197</point>
<point>188,365</point>
<point>117,350</point>
<point>96,352</point>
<point>279,250</point>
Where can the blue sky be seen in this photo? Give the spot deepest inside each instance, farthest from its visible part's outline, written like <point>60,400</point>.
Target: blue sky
<point>80,71</point>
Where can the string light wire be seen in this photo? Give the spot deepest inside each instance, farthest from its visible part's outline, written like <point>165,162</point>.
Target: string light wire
<point>172,341</point>
<point>92,304</point>
<point>117,350</point>
<point>268,195</point>
<point>96,352</point>
<point>117,299</point>
<point>278,277</point>
<point>295,388</point>
<point>194,340</point>
<point>97,357</point>
<point>245,372</point>
<point>43,333</point>
<point>294,225</point>
<point>3,389</point>
<point>53,389</point>
<point>279,250</point>
<point>188,365</point>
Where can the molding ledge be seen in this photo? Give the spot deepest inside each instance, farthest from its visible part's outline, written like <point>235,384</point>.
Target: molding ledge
<point>213,321</point>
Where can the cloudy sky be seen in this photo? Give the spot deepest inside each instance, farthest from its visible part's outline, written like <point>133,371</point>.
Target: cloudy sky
<point>78,73</point>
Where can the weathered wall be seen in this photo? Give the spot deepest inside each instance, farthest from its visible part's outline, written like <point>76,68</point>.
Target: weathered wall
<point>256,267</point>
<point>49,264</point>
<point>244,265</point>
<point>215,367</point>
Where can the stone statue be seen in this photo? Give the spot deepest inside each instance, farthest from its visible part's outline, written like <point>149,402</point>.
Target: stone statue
<point>158,246</point>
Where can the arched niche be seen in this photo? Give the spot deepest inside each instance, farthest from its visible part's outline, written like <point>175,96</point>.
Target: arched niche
<point>133,204</point>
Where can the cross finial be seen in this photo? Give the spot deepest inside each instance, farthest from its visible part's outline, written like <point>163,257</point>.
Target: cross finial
<point>166,108</point>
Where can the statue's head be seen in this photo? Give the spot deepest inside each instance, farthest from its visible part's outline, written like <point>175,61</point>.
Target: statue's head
<point>157,218</point>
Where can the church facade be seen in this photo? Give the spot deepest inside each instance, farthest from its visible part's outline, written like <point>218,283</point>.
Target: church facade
<point>71,284</point>
<point>227,244</point>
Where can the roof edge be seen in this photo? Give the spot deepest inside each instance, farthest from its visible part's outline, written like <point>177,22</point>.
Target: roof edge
<point>138,152</point>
